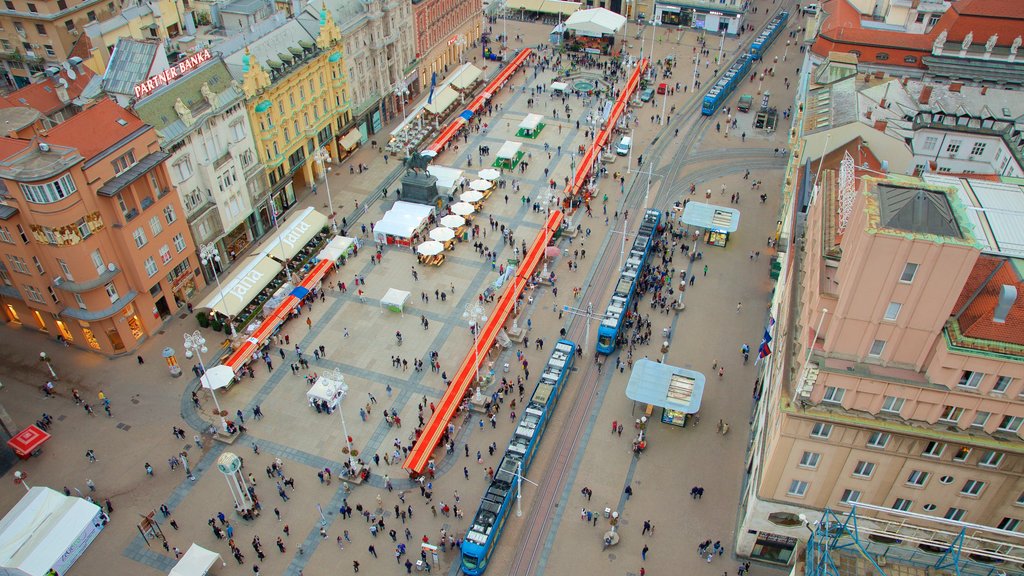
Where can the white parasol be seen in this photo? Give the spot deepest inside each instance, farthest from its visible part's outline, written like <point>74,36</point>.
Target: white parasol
<point>442,234</point>
<point>490,174</point>
<point>480,185</point>
<point>463,208</point>
<point>472,196</point>
<point>453,221</point>
<point>430,248</point>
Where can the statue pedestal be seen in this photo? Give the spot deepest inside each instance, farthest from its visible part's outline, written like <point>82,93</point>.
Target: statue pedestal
<point>420,187</point>
<point>516,333</point>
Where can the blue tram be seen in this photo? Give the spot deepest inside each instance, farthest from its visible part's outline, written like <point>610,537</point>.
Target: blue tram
<point>499,498</point>
<point>622,297</point>
<point>767,36</point>
<point>722,89</point>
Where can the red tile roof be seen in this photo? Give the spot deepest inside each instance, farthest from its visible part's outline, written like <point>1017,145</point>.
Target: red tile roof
<point>95,129</point>
<point>1006,9</point>
<point>842,25</point>
<point>978,299</point>
<point>11,146</point>
<point>42,96</point>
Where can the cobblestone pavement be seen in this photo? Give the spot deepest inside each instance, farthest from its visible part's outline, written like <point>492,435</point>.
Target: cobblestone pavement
<point>549,538</point>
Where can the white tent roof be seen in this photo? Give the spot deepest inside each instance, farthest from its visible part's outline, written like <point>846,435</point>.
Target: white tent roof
<point>464,78</point>
<point>446,177</point>
<point>196,562</point>
<point>595,22</point>
<point>294,234</point>
<point>402,221</point>
<point>395,298</point>
<point>531,121</point>
<point>327,389</point>
<point>509,149</point>
<point>242,285</point>
<point>336,247</point>
<point>218,377</point>
<point>45,530</point>
<point>559,86</point>
<point>442,100</point>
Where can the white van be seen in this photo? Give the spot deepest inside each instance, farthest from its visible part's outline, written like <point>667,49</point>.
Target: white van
<point>623,148</point>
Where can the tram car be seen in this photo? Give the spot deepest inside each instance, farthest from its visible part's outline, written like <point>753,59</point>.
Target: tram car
<point>622,298</point>
<point>768,35</point>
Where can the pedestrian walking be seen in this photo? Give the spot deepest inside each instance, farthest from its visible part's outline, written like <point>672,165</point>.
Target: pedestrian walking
<point>643,553</point>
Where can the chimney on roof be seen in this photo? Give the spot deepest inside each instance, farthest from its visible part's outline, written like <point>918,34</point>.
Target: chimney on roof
<point>882,104</point>
<point>868,114</point>
<point>1007,297</point>
<point>926,94</point>
<point>984,90</point>
<point>880,125</point>
<point>905,80</point>
<point>955,87</point>
<point>61,88</point>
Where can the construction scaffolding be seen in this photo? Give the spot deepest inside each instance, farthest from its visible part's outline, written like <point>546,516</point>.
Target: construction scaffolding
<point>897,543</point>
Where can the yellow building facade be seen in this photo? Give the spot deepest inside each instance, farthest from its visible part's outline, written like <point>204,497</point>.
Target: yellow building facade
<point>297,98</point>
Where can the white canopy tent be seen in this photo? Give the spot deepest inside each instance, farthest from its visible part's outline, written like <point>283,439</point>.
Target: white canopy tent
<point>327,390</point>
<point>220,376</point>
<point>446,177</point>
<point>595,22</point>
<point>394,300</point>
<point>465,77</point>
<point>46,530</point>
<point>196,562</point>
<point>338,246</point>
<point>442,100</point>
<point>559,87</point>
<point>402,221</point>
<point>531,122</point>
<point>509,150</point>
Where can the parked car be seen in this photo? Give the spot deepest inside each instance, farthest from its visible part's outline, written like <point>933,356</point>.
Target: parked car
<point>810,9</point>
<point>646,95</point>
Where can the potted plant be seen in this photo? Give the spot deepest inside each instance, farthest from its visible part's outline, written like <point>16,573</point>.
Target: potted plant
<point>203,319</point>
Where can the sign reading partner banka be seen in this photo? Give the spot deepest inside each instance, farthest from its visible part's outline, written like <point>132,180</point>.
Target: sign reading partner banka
<point>164,78</point>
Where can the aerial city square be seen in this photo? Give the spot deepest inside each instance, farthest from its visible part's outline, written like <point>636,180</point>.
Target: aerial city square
<point>516,287</point>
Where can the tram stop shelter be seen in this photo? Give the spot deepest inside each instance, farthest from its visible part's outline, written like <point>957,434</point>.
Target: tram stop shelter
<point>197,561</point>
<point>509,155</point>
<point>531,126</point>
<point>677,391</point>
<point>718,222</point>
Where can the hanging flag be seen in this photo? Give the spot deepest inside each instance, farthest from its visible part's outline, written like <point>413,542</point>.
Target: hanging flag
<point>433,84</point>
<point>763,350</point>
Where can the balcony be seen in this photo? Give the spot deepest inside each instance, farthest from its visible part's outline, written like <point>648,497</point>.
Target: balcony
<point>94,315</point>
<point>131,214</point>
<point>80,287</point>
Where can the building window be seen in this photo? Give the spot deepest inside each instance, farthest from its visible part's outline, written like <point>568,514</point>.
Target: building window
<point>179,242</point>
<point>962,454</point>
<point>877,347</point>
<point>970,379</point>
<point>69,24</point>
<point>83,229</point>
<point>65,269</point>
<point>951,414</point>
<point>1002,383</point>
<point>933,449</point>
<point>810,460</point>
<point>797,488</point>
<point>850,496</point>
<point>155,226</point>
<point>49,50</point>
<point>978,148</point>
<point>991,459</point>
<point>834,395</point>
<point>81,303</point>
<point>183,169</point>
<point>910,59</point>
<point>18,264</point>
<point>91,16</point>
<point>953,147</point>
<point>165,254</point>
<point>151,268</point>
<point>878,440</point>
<point>909,272</point>
<point>39,266</point>
<point>917,478</point>
<point>821,430</point>
<point>40,29</point>
<point>902,504</point>
<point>1010,423</point>
<point>140,237</point>
<point>980,419</point>
<point>53,295</point>
<point>892,311</point>
<point>930,142</point>
<point>238,131</point>
<point>111,292</point>
<point>50,192</point>
<point>123,162</point>
<point>33,294</point>
<point>881,56</point>
<point>892,404</point>
<point>5,235</point>
<point>947,479</point>
<point>864,469</point>
<point>1008,524</point>
<point>169,215</point>
<point>956,514</point>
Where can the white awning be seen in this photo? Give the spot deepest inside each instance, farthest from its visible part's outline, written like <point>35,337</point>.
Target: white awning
<point>394,300</point>
<point>465,78</point>
<point>559,86</point>
<point>446,177</point>
<point>220,376</point>
<point>196,562</point>
<point>242,285</point>
<point>442,100</point>
<point>338,246</point>
<point>531,122</point>
<point>294,234</point>
<point>509,150</point>
<point>45,530</point>
<point>596,22</point>
<point>402,221</point>
<point>350,140</point>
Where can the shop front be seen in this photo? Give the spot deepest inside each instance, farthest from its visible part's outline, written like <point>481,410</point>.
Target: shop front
<point>717,222</point>
<point>774,548</point>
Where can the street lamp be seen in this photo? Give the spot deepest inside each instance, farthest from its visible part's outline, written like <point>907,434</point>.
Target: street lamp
<point>19,478</point>
<point>44,357</point>
<point>195,344</point>
<point>589,315</point>
<point>335,375</point>
<point>210,255</point>
<point>474,314</point>
<point>721,46</point>
<point>323,157</point>
<point>786,53</point>
<point>401,89</point>
<point>460,43</point>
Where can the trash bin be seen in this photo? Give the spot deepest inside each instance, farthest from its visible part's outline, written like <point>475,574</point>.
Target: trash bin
<point>607,512</point>
<point>505,368</point>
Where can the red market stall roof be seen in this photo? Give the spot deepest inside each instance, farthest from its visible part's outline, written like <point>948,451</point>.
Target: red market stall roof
<point>28,440</point>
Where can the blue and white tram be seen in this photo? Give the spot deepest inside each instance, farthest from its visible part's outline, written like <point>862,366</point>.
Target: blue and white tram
<point>485,529</point>
<point>622,297</point>
<point>767,36</point>
<point>722,89</point>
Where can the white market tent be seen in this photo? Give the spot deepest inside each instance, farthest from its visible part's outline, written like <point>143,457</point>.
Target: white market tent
<point>402,221</point>
<point>595,22</point>
<point>509,150</point>
<point>446,177</point>
<point>531,122</point>
<point>442,100</point>
<point>46,530</point>
<point>337,247</point>
<point>196,562</point>
<point>327,390</point>
<point>220,376</point>
<point>394,300</point>
<point>465,77</point>
<point>559,87</point>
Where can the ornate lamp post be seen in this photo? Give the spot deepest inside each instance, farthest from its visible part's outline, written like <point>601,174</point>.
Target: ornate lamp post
<point>474,315</point>
<point>45,358</point>
<point>323,157</point>
<point>195,344</point>
<point>335,375</point>
<point>209,255</point>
